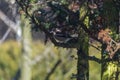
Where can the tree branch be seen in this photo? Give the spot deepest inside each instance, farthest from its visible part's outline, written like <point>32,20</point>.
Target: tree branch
<point>94,47</point>
<point>90,34</point>
<point>5,35</point>
<point>12,26</point>
<point>7,21</point>
<point>93,58</point>
<point>53,69</point>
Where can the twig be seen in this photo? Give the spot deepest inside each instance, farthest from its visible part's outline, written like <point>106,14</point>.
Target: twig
<point>12,25</point>
<point>7,21</point>
<point>5,35</point>
<point>116,49</point>
<point>94,46</point>
<point>53,69</point>
<point>90,34</point>
<point>93,58</point>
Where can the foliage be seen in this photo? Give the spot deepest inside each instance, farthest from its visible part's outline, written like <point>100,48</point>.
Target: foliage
<point>110,71</point>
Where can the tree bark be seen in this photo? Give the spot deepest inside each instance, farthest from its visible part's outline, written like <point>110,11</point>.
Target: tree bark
<point>82,66</point>
<point>82,63</point>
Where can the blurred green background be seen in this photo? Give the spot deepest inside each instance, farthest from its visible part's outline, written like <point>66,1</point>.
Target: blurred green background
<point>47,55</point>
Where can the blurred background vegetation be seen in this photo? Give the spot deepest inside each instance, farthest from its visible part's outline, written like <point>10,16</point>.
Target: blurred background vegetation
<point>48,55</point>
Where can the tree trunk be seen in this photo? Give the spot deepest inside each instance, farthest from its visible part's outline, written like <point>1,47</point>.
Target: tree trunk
<point>82,66</point>
<point>82,63</point>
<point>26,51</point>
